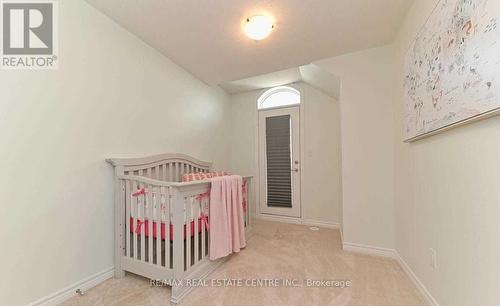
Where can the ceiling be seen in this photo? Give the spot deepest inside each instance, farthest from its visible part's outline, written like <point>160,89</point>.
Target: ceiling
<point>267,80</point>
<point>205,36</point>
<point>310,74</point>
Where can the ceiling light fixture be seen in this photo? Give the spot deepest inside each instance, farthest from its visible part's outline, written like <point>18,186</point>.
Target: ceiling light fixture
<point>258,27</point>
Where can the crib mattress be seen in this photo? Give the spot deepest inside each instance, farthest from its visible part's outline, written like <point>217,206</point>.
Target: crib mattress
<point>171,232</point>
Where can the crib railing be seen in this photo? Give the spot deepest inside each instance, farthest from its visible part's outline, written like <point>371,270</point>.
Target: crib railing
<point>164,225</point>
<point>166,171</point>
<point>146,216</point>
<point>165,167</point>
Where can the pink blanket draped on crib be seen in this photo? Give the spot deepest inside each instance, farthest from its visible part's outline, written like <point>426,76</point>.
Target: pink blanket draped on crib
<point>227,231</point>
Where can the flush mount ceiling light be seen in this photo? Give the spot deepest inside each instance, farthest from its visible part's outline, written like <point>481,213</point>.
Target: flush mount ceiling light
<point>258,27</point>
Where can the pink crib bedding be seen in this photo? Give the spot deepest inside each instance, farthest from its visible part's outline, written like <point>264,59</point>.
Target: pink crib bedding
<point>146,228</point>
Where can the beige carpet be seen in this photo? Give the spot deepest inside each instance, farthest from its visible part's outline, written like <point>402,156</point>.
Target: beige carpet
<point>283,251</point>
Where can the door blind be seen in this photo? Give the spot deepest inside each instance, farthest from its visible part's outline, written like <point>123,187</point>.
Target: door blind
<point>278,156</point>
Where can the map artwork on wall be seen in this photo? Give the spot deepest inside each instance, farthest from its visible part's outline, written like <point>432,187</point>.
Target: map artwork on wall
<point>452,69</point>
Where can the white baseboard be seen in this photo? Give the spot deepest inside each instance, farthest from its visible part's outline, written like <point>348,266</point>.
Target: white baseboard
<point>324,224</point>
<point>309,222</point>
<point>70,291</point>
<point>390,253</point>
<point>276,218</point>
<point>369,250</point>
<point>429,299</point>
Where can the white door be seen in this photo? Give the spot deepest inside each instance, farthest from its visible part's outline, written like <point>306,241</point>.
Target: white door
<point>279,161</point>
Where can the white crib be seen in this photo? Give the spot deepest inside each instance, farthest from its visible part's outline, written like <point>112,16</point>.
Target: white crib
<point>174,246</point>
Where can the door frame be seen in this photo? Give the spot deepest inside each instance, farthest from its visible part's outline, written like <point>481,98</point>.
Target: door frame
<point>256,193</point>
<point>296,210</point>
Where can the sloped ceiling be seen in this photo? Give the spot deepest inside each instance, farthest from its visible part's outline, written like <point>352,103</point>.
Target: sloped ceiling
<point>267,80</point>
<point>310,74</point>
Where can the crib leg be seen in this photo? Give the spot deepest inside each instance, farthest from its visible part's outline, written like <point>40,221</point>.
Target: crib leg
<point>119,226</point>
<point>119,272</point>
<point>179,292</point>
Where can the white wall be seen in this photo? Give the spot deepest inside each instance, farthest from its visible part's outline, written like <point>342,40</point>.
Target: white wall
<point>112,95</point>
<point>321,163</point>
<point>367,144</point>
<point>447,198</point>
<point>321,171</point>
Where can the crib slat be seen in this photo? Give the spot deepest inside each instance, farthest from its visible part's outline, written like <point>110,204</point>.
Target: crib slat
<point>196,230</point>
<point>189,206</point>
<point>142,208</point>
<point>149,216</point>
<point>159,202</point>
<point>167,221</point>
<point>202,235</point>
<point>128,195</point>
<point>203,229</point>
<point>171,172</point>
<point>177,172</point>
<point>178,206</point>
<point>164,172</point>
<point>135,214</point>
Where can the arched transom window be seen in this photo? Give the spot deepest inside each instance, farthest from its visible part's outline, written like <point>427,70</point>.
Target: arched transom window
<point>279,97</point>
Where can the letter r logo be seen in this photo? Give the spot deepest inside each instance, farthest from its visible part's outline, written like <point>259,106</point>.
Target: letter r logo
<point>27,28</point>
